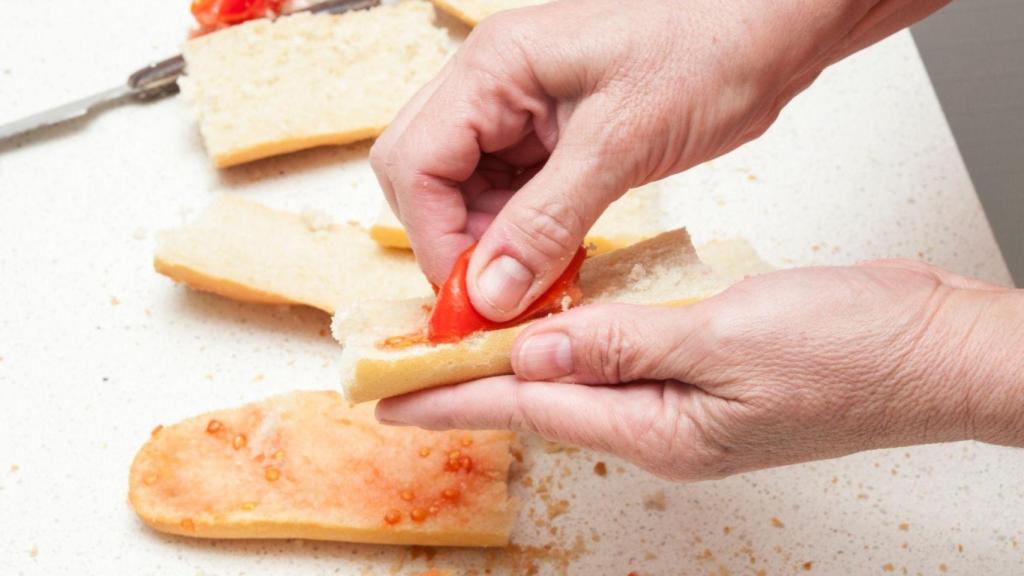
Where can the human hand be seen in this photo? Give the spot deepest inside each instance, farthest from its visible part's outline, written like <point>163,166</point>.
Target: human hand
<point>548,114</point>
<point>786,367</point>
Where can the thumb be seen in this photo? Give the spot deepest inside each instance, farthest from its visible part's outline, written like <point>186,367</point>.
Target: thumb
<point>613,344</point>
<point>535,235</point>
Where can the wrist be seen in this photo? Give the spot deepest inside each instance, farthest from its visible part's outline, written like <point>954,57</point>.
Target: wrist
<point>991,366</point>
<point>956,379</point>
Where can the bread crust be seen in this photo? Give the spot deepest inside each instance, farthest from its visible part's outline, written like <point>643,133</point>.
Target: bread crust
<point>453,8</point>
<point>472,12</point>
<point>291,144</point>
<point>203,282</point>
<point>632,218</point>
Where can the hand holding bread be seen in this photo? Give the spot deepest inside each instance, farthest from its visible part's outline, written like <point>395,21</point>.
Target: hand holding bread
<point>781,368</point>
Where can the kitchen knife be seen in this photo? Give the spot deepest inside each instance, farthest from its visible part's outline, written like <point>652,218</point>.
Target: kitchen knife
<point>151,82</point>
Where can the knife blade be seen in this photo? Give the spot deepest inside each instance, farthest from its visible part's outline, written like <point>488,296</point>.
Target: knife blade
<point>150,82</point>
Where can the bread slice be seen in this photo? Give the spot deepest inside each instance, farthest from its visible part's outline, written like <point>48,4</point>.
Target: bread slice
<point>473,11</point>
<point>270,87</point>
<point>245,251</point>
<point>311,465</point>
<point>628,220</point>
<point>664,270</point>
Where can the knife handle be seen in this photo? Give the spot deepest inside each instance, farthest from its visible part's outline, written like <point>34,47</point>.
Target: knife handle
<point>157,79</point>
<point>339,6</point>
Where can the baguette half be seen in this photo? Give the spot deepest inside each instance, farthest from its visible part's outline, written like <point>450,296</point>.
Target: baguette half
<point>245,251</point>
<point>269,87</point>
<point>471,12</point>
<point>311,465</point>
<point>664,270</point>
<point>628,220</point>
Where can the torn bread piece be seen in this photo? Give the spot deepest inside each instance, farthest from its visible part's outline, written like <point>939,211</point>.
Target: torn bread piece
<point>311,465</point>
<point>269,87</point>
<point>472,12</point>
<point>664,270</point>
<point>628,220</point>
<point>246,251</point>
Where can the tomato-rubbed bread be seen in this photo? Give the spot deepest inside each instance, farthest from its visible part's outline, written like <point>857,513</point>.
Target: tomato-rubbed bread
<point>311,465</point>
<point>245,251</point>
<point>630,219</point>
<point>664,270</point>
<point>269,87</point>
<point>472,12</point>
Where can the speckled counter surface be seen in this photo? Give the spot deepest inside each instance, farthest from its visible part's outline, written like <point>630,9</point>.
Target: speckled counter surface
<point>95,348</point>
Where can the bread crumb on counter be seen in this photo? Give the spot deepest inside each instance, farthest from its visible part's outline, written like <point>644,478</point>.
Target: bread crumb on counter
<point>656,501</point>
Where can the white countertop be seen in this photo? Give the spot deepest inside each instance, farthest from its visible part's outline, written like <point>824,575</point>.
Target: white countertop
<point>95,348</point>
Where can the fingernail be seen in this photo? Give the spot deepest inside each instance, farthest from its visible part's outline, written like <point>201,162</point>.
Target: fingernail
<point>545,357</point>
<point>390,422</point>
<point>504,282</point>
<point>385,417</point>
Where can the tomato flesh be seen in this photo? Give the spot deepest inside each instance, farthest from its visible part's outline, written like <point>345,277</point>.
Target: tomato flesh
<point>454,317</point>
<point>215,14</point>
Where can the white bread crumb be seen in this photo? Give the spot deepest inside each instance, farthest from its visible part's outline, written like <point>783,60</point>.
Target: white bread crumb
<point>316,220</point>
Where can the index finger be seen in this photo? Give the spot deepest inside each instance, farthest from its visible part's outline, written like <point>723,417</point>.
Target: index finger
<point>468,114</point>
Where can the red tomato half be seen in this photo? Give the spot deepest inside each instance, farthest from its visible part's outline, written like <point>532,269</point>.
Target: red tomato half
<point>214,14</point>
<point>454,317</point>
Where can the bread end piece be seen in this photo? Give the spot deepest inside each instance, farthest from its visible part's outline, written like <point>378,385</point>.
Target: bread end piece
<point>245,251</point>
<point>310,465</point>
<point>265,88</point>
<point>630,219</point>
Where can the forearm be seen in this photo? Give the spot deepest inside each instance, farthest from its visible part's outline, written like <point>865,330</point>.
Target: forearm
<point>964,371</point>
<point>810,35</point>
<point>884,18</point>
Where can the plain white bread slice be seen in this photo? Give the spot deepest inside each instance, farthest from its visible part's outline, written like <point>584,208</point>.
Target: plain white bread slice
<point>628,220</point>
<point>246,251</point>
<point>473,11</point>
<point>664,270</point>
<point>270,87</point>
<point>310,465</point>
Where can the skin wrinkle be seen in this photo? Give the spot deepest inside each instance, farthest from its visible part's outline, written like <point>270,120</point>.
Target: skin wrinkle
<point>553,222</point>
<point>970,404</point>
<point>607,354</point>
<point>907,364</point>
<point>705,456</point>
<point>641,432</point>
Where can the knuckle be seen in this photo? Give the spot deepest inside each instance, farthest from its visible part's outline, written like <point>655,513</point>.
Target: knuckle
<point>722,331</point>
<point>552,228</point>
<point>496,50</point>
<point>614,354</point>
<point>502,30</point>
<point>378,153</point>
